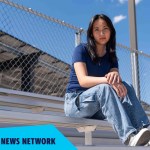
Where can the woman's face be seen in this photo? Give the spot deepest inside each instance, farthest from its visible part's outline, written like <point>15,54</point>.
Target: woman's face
<point>101,32</point>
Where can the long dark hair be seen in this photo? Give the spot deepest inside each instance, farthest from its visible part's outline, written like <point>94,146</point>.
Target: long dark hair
<point>111,44</point>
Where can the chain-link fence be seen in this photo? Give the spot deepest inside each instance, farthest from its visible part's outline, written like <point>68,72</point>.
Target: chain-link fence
<point>36,50</point>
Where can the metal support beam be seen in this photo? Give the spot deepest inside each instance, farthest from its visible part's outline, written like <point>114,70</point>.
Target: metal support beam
<point>88,133</point>
<point>133,45</point>
<point>28,65</point>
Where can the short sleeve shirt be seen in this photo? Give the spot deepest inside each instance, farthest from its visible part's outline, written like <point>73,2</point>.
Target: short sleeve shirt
<point>99,69</point>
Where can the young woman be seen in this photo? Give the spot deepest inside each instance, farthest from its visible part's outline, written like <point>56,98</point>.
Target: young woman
<point>95,89</point>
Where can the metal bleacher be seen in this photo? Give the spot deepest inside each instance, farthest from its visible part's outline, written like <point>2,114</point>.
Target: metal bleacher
<point>21,103</point>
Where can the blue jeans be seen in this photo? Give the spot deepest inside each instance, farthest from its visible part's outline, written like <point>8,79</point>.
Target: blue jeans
<point>101,102</point>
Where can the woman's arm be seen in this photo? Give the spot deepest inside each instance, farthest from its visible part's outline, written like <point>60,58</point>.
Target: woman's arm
<point>83,78</point>
<point>89,81</point>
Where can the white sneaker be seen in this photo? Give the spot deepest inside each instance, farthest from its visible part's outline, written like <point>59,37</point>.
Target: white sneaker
<point>141,138</point>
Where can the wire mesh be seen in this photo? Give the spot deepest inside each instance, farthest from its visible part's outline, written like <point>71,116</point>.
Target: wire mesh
<point>36,50</point>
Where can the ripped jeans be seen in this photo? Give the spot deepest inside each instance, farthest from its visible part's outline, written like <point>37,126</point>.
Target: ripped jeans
<point>101,102</point>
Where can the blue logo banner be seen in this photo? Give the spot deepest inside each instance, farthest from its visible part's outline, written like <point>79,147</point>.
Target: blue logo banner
<point>39,137</point>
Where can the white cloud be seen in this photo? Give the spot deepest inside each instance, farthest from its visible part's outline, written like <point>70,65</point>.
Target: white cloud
<point>137,1</point>
<point>119,18</point>
<point>123,1</point>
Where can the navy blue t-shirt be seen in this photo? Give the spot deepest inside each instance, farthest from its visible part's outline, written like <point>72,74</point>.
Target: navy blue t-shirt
<point>99,69</point>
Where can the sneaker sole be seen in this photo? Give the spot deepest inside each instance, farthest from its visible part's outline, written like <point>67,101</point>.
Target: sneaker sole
<point>144,139</point>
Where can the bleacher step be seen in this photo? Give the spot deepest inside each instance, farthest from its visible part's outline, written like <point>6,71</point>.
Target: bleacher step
<point>100,147</point>
<point>96,141</point>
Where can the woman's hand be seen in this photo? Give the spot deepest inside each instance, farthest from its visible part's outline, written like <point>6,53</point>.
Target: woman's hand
<point>120,89</point>
<point>113,77</point>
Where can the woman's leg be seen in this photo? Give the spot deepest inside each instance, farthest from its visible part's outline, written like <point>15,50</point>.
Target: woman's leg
<point>101,98</point>
<point>85,108</point>
<point>113,110</point>
<point>134,109</point>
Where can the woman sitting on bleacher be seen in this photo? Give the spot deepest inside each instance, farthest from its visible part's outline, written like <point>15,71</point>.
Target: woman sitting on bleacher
<point>95,89</point>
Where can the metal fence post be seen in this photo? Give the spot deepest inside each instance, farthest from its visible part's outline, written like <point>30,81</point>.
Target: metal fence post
<point>133,45</point>
<point>78,37</point>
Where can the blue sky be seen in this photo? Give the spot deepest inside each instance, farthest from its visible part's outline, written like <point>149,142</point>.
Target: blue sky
<point>79,13</point>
